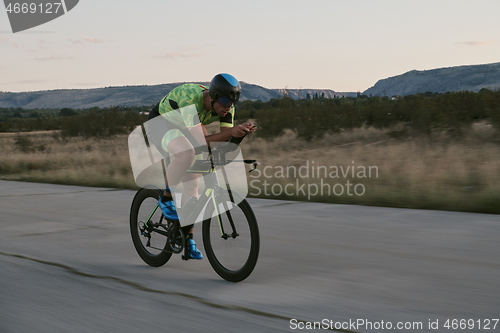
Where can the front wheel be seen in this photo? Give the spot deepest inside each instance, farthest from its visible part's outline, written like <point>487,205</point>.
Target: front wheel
<point>151,246</point>
<point>231,238</point>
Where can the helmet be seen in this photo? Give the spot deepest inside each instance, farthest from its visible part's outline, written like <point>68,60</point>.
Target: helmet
<point>225,85</point>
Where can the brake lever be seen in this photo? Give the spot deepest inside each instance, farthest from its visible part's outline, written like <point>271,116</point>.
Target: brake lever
<point>253,162</point>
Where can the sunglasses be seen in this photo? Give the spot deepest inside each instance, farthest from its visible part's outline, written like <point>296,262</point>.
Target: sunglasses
<point>224,101</point>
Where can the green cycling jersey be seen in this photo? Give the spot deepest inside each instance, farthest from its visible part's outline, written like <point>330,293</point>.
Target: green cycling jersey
<point>192,94</point>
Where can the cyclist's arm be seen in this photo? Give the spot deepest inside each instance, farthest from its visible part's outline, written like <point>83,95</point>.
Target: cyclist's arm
<point>226,133</point>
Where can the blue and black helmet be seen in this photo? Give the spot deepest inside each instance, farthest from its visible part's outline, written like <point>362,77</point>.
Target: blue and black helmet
<point>225,85</point>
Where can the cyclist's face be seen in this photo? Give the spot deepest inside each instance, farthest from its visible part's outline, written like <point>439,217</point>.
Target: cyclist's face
<point>221,110</point>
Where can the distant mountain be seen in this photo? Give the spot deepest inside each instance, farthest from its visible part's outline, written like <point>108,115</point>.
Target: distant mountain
<point>134,96</point>
<point>309,93</point>
<point>471,78</point>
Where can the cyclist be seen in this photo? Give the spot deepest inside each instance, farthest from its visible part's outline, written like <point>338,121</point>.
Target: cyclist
<point>213,103</point>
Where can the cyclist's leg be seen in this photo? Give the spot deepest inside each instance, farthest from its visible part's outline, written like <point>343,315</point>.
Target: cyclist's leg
<point>190,185</point>
<point>181,155</point>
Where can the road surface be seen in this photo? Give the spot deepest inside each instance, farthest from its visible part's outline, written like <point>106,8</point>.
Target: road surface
<point>68,265</point>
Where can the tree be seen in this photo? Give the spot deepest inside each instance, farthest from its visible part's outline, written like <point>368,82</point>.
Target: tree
<point>67,112</point>
<point>34,114</point>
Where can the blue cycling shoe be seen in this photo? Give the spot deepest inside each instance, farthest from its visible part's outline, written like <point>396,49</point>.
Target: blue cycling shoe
<point>194,253</point>
<point>168,209</point>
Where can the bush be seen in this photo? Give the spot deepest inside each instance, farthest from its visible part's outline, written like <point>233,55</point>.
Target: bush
<point>23,143</point>
<point>67,112</point>
<point>414,115</point>
<point>100,123</point>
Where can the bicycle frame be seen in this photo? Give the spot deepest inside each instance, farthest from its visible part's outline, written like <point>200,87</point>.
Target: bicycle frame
<point>213,193</point>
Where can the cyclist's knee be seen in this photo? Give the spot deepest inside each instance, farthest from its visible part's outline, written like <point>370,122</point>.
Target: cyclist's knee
<point>184,158</point>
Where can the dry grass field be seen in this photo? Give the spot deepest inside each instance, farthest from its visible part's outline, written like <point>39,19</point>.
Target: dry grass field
<point>48,159</point>
<point>432,173</point>
<point>363,166</point>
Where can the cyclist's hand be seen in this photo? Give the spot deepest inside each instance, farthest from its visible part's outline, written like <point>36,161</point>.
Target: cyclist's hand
<point>239,131</point>
<point>250,127</point>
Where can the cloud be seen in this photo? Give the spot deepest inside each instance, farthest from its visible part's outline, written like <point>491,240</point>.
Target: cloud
<point>29,81</point>
<point>475,43</point>
<point>54,57</point>
<point>86,84</point>
<point>75,41</point>
<point>44,45</point>
<point>94,40</point>
<point>6,41</point>
<point>72,43</point>
<point>183,53</point>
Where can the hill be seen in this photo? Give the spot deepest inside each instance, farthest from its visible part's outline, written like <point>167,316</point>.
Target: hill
<point>134,96</point>
<point>460,78</point>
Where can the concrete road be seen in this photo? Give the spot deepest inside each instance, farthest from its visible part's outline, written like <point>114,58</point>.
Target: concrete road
<point>68,265</point>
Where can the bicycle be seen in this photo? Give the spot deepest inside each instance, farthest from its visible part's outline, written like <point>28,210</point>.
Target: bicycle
<point>229,228</point>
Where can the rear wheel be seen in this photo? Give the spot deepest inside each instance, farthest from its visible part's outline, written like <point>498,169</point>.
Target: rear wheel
<point>232,253</point>
<point>148,242</point>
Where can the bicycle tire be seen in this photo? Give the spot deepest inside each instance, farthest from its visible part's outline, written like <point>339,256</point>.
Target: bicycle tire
<point>233,259</point>
<point>142,206</point>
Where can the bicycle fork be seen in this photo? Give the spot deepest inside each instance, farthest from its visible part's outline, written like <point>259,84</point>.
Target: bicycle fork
<point>224,235</point>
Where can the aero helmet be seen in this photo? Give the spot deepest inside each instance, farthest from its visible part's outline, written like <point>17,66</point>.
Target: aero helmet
<point>225,85</point>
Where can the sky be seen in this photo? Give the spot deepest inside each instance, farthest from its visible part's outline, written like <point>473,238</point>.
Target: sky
<point>343,45</point>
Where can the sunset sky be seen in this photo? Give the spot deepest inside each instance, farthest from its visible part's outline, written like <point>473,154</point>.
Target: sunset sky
<point>328,44</point>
